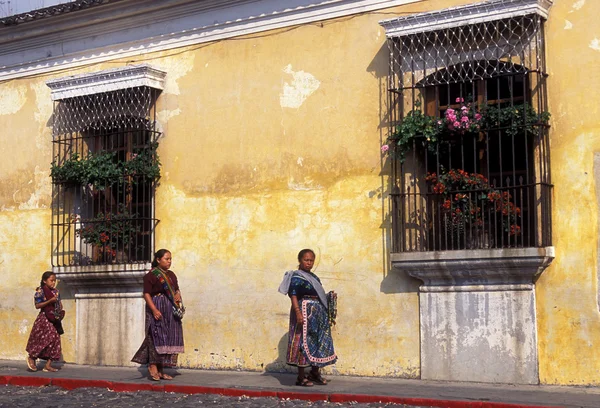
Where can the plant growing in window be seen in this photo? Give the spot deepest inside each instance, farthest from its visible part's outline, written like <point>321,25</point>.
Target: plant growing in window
<point>103,169</point>
<point>108,232</point>
<point>418,130</point>
<point>468,200</point>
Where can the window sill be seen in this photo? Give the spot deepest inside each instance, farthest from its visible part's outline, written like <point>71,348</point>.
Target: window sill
<point>103,276</point>
<point>484,269</point>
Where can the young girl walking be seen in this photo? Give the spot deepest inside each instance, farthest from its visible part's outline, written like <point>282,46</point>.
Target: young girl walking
<point>44,340</point>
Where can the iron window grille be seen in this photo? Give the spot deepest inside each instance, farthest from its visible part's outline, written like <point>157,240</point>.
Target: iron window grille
<point>110,220</point>
<point>488,188</point>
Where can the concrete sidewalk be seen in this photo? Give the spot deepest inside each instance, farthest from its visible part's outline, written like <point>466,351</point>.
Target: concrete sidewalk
<point>340,389</point>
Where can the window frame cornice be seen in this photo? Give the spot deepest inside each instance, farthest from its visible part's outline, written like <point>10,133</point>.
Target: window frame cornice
<point>108,80</point>
<point>464,15</point>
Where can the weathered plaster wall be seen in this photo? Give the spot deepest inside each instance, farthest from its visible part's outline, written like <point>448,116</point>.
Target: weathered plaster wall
<point>25,196</point>
<point>567,293</point>
<point>281,152</point>
<point>271,144</point>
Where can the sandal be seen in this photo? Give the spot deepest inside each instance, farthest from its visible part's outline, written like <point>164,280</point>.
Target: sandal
<point>317,379</point>
<point>155,377</point>
<point>165,376</point>
<point>31,364</point>
<point>49,369</point>
<point>304,382</point>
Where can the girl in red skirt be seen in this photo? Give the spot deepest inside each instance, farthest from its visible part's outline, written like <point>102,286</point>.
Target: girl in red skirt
<point>44,340</point>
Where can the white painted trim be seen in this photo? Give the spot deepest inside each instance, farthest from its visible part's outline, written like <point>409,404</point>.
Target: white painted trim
<point>49,48</point>
<point>464,15</point>
<point>106,81</point>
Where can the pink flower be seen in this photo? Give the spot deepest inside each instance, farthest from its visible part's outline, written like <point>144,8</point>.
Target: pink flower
<point>478,116</point>
<point>459,100</point>
<point>439,122</point>
<point>456,124</point>
<point>464,119</point>
<point>464,108</point>
<point>385,148</point>
<point>449,111</point>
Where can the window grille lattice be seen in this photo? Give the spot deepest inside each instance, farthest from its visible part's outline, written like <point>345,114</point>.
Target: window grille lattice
<point>105,221</point>
<point>477,51</point>
<point>494,67</point>
<point>125,108</point>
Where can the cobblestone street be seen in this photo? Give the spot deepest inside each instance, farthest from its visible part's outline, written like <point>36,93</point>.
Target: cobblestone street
<point>46,397</point>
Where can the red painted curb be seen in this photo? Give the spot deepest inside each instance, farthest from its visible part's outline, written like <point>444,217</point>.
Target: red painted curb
<point>237,392</point>
<point>71,383</point>
<point>28,381</point>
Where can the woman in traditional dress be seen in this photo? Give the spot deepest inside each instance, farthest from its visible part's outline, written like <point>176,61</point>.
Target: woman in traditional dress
<point>44,340</point>
<point>164,310</point>
<point>309,342</point>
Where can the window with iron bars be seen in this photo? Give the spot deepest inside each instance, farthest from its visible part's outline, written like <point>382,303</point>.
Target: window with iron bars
<point>468,137</point>
<point>105,168</point>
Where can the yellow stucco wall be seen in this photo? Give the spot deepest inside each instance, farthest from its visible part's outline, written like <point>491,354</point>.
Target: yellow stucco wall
<point>271,144</point>
<point>567,293</point>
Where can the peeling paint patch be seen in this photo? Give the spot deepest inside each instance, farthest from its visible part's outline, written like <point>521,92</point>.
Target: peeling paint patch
<point>305,185</point>
<point>300,161</point>
<point>177,67</point>
<point>165,115</point>
<point>23,326</point>
<point>568,25</point>
<point>595,44</point>
<point>12,100</point>
<point>302,86</point>
<point>578,5</point>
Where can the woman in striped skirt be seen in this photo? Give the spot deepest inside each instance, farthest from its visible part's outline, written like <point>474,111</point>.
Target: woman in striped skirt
<point>164,336</point>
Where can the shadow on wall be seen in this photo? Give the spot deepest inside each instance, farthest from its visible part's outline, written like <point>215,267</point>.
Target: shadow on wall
<point>394,280</point>
<point>279,365</point>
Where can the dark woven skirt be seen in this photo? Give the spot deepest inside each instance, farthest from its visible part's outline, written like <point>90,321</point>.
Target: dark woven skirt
<point>164,337</point>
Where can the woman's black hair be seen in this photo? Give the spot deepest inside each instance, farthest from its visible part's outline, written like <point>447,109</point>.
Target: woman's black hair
<point>304,252</point>
<point>45,276</point>
<point>159,254</point>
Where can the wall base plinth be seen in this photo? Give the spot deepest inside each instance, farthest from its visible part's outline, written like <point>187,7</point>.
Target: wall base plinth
<point>477,313</point>
<point>110,314</point>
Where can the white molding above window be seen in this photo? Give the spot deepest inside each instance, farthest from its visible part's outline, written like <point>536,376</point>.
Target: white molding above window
<point>135,27</point>
<point>106,81</point>
<point>491,10</point>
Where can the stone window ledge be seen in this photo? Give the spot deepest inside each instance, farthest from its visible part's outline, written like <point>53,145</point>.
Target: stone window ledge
<point>103,276</point>
<point>483,269</point>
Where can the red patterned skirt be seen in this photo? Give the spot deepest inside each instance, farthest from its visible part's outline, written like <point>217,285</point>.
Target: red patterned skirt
<point>44,340</point>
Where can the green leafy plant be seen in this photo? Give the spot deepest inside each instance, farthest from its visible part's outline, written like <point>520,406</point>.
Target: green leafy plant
<point>423,131</point>
<point>103,169</point>
<point>144,164</point>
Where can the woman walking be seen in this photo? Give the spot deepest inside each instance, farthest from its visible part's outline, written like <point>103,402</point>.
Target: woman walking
<point>310,343</point>
<point>44,340</point>
<point>164,311</point>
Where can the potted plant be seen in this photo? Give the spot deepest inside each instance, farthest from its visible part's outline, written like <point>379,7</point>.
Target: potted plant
<point>423,131</point>
<point>109,233</point>
<point>466,198</point>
